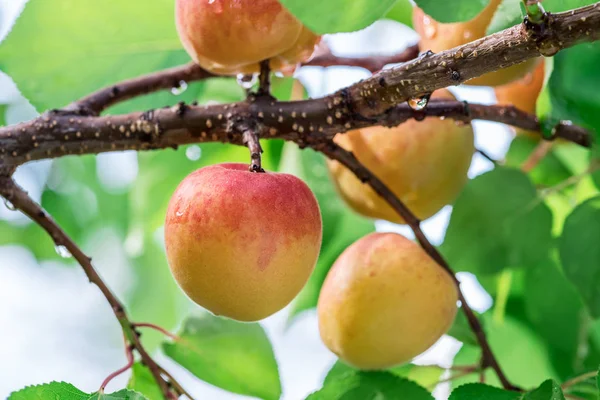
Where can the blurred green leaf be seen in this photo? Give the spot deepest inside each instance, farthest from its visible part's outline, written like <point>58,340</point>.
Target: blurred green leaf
<point>558,317</point>
<point>548,172</point>
<point>143,382</point>
<point>66,391</point>
<point>364,385</point>
<point>333,16</point>
<point>423,375</point>
<point>479,391</point>
<point>498,222</point>
<point>549,390</point>
<point>341,226</point>
<point>3,108</point>
<point>401,12</point>
<point>452,11</point>
<point>513,341</point>
<point>580,253</point>
<point>460,330</point>
<point>509,12</point>
<point>232,355</point>
<point>61,50</point>
<point>575,66</point>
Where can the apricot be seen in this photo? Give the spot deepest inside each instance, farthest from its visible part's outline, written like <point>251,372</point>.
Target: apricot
<point>523,93</point>
<point>436,36</point>
<point>424,163</point>
<point>234,36</point>
<point>384,302</point>
<point>242,244</point>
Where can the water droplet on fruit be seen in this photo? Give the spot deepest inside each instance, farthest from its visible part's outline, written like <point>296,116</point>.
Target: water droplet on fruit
<point>419,103</point>
<point>247,81</point>
<point>430,28</point>
<point>9,205</point>
<point>467,34</point>
<point>180,88</point>
<point>62,251</point>
<point>193,152</point>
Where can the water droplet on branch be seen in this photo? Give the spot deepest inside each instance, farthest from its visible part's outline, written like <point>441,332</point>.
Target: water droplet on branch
<point>9,205</point>
<point>180,88</point>
<point>247,81</point>
<point>63,251</point>
<point>419,103</point>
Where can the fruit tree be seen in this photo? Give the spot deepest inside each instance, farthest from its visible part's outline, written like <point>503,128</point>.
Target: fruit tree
<point>262,195</point>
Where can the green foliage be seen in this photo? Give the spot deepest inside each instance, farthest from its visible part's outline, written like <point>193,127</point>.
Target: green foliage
<point>338,15</point>
<point>100,43</point>
<point>509,12</point>
<point>580,254</point>
<point>452,11</point>
<point>478,391</point>
<point>3,108</point>
<point>572,87</point>
<point>232,355</point>
<point>66,391</point>
<point>424,375</point>
<point>549,390</point>
<point>356,385</point>
<point>143,382</point>
<point>401,12</point>
<point>500,212</point>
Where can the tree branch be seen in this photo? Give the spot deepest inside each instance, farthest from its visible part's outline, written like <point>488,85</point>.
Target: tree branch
<point>346,158</point>
<point>23,202</point>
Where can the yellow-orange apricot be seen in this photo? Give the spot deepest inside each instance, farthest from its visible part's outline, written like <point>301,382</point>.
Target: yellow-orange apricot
<point>424,163</point>
<point>384,302</point>
<point>234,36</point>
<point>242,244</point>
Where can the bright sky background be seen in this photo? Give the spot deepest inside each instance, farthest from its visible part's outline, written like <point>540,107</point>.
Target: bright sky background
<point>56,326</point>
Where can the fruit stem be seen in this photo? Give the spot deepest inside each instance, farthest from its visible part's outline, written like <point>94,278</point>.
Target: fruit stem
<point>264,86</point>
<point>534,10</point>
<point>129,353</point>
<point>250,137</point>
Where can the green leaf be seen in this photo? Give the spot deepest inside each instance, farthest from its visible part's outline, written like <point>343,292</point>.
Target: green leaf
<point>452,11</point>
<point>513,341</point>
<point>232,355</point>
<point>66,391</point>
<point>557,317</point>
<point>120,395</point>
<point>401,12</point>
<point>549,390</point>
<point>341,226</point>
<point>509,12</point>
<point>598,380</point>
<point>575,66</point>
<point>549,171</point>
<point>370,386</point>
<point>143,382</point>
<point>424,375</point>
<point>3,108</point>
<point>50,391</point>
<point>500,213</point>
<point>333,16</point>
<point>479,391</point>
<point>95,44</point>
<point>580,253</point>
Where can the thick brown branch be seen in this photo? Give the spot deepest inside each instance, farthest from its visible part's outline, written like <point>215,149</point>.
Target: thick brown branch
<point>333,151</point>
<point>23,202</point>
<point>512,46</point>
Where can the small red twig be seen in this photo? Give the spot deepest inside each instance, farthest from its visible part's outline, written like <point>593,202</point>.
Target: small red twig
<point>157,328</point>
<point>129,353</point>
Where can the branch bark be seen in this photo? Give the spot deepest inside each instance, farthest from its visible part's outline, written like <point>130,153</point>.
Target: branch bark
<point>23,202</point>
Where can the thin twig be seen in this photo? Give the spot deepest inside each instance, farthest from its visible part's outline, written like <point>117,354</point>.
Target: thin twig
<point>129,354</point>
<point>579,379</point>
<point>335,152</point>
<point>23,202</point>
<point>176,384</point>
<point>157,328</point>
<point>486,156</point>
<point>537,155</point>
